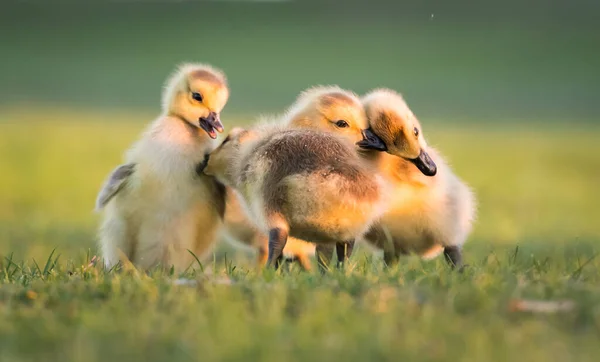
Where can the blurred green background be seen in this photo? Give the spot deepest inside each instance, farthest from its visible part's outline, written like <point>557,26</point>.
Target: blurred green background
<point>507,90</point>
<point>451,58</point>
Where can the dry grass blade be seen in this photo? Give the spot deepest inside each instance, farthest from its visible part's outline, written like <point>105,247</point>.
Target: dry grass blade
<point>540,306</point>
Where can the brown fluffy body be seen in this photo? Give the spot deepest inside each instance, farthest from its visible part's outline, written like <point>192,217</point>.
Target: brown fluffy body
<point>162,208</point>
<point>306,184</point>
<point>426,214</point>
<point>318,108</point>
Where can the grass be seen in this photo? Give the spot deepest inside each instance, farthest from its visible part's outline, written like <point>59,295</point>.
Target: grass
<point>536,237</point>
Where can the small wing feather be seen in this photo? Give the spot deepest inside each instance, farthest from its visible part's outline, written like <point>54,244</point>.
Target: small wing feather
<point>115,182</point>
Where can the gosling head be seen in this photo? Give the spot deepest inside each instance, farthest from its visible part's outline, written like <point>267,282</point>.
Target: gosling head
<point>197,93</point>
<point>395,129</point>
<point>329,109</point>
<point>220,162</point>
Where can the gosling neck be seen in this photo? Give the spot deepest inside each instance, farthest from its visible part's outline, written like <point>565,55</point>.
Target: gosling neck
<point>192,129</point>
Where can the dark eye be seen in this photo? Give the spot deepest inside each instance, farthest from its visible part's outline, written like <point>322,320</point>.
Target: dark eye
<point>341,123</point>
<point>197,96</point>
<point>416,131</point>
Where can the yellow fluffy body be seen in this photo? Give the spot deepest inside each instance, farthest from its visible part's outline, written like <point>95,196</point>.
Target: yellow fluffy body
<point>426,213</point>
<point>165,208</point>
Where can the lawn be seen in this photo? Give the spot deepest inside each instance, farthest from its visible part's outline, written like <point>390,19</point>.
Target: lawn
<point>536,237</point>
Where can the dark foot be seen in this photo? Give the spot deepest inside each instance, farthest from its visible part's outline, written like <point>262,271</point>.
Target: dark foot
<point>344,251</point>
<point>277,240</point>
<point>453,255</point>
<point>390,258</point>
<point>324,255</point>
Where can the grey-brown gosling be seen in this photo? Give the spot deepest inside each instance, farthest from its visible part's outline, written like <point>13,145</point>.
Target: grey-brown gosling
<point>302,183</point>
<point>431,209</point>
<point>156,205</point>
<point>324,108</point>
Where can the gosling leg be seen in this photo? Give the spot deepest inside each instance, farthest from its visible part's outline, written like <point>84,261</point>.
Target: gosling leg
<point>263,249</point>
<point>453,255</point>
<point>263,256</point>
<point>277,239</point>
<point>382,235</point>
<point>390,258</point>
<point>344,251</point>
<point>303,260</point>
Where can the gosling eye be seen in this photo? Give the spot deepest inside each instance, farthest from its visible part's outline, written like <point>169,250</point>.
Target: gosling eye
<point>342,124</point>
<point>197,96</point>
<point>416,131</point>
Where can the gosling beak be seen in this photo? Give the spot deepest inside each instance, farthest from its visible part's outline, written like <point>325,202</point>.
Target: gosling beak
<point>202,165</point>
<point>211,124</point>
<point>425,164</point>
<point>371,141</point>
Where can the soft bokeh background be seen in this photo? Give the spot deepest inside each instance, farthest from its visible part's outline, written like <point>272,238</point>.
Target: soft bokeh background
<point>507,90</point>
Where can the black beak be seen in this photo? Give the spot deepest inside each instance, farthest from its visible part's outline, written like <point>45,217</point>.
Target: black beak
<point>211,124</point>
<point>371,141</point>
<point>425,164</point>
<point>202,165</point>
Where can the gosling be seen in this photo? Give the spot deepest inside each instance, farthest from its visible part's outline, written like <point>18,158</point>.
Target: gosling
<point>157,206</point>
<point>323,108</point>
<point>302,183</point>
<point>431,209</point>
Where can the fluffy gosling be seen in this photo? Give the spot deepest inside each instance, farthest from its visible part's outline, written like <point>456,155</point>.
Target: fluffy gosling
<point>431,209</point>
<point>323,108</point>
<point>302,183</point>
<point>157,206</point>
